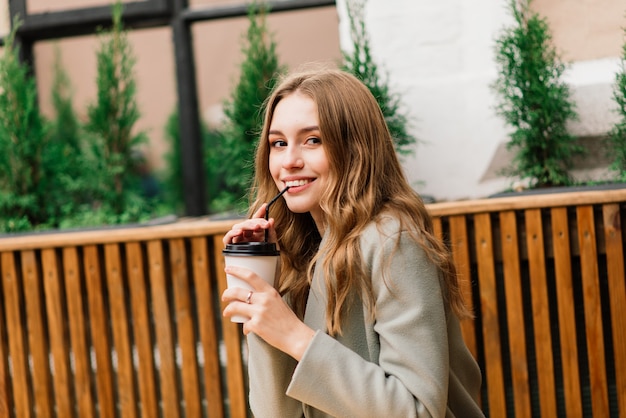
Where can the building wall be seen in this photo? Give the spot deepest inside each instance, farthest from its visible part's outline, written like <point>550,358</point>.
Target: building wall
<point>4,17</point>
<point>42,6</point>
<point>585,30</point>
<point>440,55</point>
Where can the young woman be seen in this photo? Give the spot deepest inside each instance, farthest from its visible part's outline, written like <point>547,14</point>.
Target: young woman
<point>364,319</point>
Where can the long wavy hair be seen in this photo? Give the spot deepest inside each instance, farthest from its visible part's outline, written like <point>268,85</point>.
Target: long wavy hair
<point>365,181</point>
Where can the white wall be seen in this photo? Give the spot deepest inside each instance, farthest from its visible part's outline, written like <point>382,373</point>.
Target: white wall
<point>439,56</point>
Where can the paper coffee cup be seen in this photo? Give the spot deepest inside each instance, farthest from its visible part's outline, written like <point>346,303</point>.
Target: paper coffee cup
<point>260,257</point>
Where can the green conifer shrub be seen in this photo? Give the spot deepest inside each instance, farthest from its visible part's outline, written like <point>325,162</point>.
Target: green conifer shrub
<point>361,63</point>
<point>220,199</point>
<point>259,73</point>
<point>69,190</point>
<point>617,135</point>
<point>24,172</point>
<point>111,119</point>
<point>534,101</point>
<point>173,186</point>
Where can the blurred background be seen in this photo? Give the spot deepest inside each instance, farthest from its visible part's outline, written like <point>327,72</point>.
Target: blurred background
<point>439,56</point>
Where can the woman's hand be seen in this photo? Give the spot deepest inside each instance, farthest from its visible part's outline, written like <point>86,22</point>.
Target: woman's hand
<point>270,317</point>
<point>252,229</point>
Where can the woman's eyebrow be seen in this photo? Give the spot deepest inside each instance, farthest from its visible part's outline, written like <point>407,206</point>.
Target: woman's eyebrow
<point>305,129</point>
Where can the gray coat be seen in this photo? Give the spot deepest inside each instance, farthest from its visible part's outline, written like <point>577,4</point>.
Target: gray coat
<point>410,361</point>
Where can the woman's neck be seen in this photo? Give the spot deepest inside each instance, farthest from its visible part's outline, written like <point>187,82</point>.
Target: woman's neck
<point>320,220</point>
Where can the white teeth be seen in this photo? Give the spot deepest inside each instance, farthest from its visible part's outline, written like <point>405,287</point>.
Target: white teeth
<point>295,183</point>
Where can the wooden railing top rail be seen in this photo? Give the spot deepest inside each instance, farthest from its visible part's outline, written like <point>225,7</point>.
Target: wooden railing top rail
<point>193,227</point>
<point>537,201</point>
<point>185,227</point>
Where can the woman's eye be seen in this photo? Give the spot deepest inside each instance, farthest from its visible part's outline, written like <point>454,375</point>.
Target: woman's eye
<point>278,143</point>
<point>314,140</point>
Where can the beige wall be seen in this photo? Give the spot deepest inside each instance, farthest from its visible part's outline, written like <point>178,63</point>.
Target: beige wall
<point>4,17</point>
<point>205,3</point>
<point>41,6</point>
<point>217,47</point>
<point>585,30</point>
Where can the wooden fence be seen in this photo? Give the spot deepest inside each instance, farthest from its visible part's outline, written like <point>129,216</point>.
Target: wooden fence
<point>127,321</point>
<point>547,286</point>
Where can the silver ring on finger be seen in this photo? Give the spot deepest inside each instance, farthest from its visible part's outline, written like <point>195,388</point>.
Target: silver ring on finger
<point>249,297</point>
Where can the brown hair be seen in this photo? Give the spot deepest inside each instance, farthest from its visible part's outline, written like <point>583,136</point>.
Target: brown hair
<point>365,179</point>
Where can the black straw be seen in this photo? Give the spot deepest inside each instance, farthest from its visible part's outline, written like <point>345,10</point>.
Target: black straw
<point>267,208</point>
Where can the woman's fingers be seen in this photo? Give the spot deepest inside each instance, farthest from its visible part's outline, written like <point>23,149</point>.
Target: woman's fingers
<point>248,276</point>
<point>259,225</point>
<point>237,297</point>
<point>237,294</point>
<point>252,229</point>
<point>249,230</point>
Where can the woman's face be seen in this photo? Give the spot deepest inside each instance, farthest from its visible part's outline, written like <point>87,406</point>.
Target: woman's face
<point>297,156</point>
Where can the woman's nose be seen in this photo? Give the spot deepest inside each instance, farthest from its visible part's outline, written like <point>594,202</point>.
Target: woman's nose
<point>293,158</point>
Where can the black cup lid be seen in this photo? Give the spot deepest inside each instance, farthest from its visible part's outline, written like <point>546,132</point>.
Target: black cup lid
<point>251,248</point>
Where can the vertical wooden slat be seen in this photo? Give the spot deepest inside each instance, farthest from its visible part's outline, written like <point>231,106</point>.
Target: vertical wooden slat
<point>459,246</point>
<point>614,242</point>
<point>121,336</point>
<point>593,311</point>
<point>164,334</point>
<point>15,331</point>
<point>78,330</point>
<point>489,310</point>
<point>57,331</point>
<point>232,340</point>
<point>37,338</point>
<point>185,326</point>
<point>541,312</point>
<point>437,227</point>
<point>99,332</point>
<point>515,313</point>
<point>6,392</point>
<point>566,312</point>
<point>206,324</point>
<point>141,328</point>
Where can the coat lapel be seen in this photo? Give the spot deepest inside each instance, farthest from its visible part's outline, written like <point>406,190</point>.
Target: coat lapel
<point>315,313</point>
